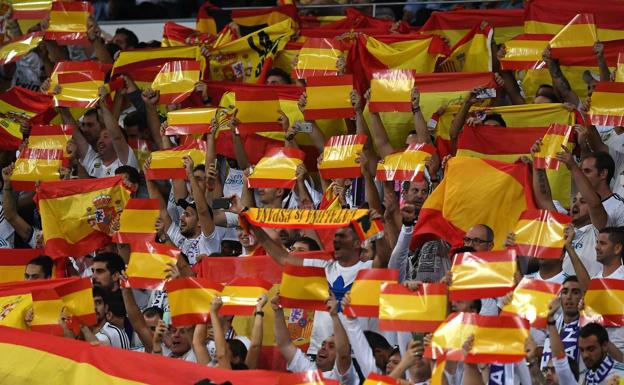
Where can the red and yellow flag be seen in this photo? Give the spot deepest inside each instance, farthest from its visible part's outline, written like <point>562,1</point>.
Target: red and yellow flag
<point>577,37</point>
<point>141,149</point>
<point>378,379</point>
<point>496,339</point>
<point>52,137</point>
<point>29,13</point>
<point>318,57</point>
<point>190,298</point>
<point>531,299</point>
<point>277,169</point>
<point>133,61</point>
<point>482,274</point>
<point>176,80</point>
<point>606,104</point>
<point>365,291</point>
<point>368,229</point>
<point>391,91</point>
<point>461,200</point>
<point>76,214</point>
<point>339,156</point>
<point>189,121</point>
<point>524,51</point>
<point>68,22</point>
<point>211,19</point>
<point>20,105</point>
<point>258,110</point>
<point>328,97</point>
<point>67,67</point>
<point>79,89</point>
<point>422,310</point>
<point>148,262</point>
<point>408,165</point>
<point>13,263</point>
<point>557,135</point>
<point>304,287</point>
<point>137,221</point>
<point>175,35</point>
<point>77,297</point>
<point>473,53</point>
<point>305,378</point>
<point>540,233</point>
<point>36,164</point>
<point>19,47</point>
<point>604,302</point>
<point>241,294</point>
<point>47,307</point>
<point>167,164</point>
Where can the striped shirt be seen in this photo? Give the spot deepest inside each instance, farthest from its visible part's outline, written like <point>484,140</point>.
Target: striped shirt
<point>113,336</point>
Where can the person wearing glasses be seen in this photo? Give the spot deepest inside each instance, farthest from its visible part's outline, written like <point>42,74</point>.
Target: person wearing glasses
<point>480,237</point>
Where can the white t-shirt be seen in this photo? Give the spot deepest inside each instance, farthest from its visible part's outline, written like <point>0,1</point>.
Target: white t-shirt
<point>113,336</point>
<point>96,167</point>
<point>202,245</point>
<point>614,206</point>
<point>7,233</point>
<point>301,363</point>
<point>615,143</point>
<point>559,278</point>
<point>617,274</point>
<point>584,243</point>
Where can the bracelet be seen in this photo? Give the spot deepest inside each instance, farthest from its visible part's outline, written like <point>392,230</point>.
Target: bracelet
<point>416,109</point>
<point>551,323</point>
<point>260,313</point>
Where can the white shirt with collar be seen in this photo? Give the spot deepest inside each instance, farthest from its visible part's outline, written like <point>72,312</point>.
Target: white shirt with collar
<point>616,334</point>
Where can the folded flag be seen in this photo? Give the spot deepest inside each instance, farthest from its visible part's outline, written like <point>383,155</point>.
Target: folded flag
<point>189,300</point>
<point>167,164</point>
<point>76,215</point>
<point>365,291</point>
<point>14,307</point>
<point>391,91</point>
<point>148,262</point>
<point>473,53</point>
<point>540,233</point>
<point>176,80</point>
<point>524,51</point>
<point>79,89</point>
<point>304,287</point>
<point>328,97</point>
<point>496,339</point>
<point>277,169</point>
<point>13,263</point>
<point>606,104</point>
<point>137,221</point>
<point>241,294</point>
<point>330,200</point>
<point>482,274</point>
<point>36,164</point>
<point>189,121</point>
<point>531,299</point>
<point>339,157</point>
<point>423,310</point>
<point>225,269</point>
<point>378,379</point>
<point>303,219</point>
<point>19,47</point>
<point>557,135</point>
<point>577,37</point>
<point>133,61</point>
<point>68,22</point>
<point>175,35</point>
<point>604,302</point>
<point>408,165</point>
<point>318,57</point>
<point>258,110</point>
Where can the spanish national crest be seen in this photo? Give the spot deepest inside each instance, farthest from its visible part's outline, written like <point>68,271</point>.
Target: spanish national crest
<point>8,307</point>
<point>103,213</point>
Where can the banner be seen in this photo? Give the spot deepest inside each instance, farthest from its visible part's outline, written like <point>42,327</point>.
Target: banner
<point>524,52</point>
<point>557,135</point>
<point>176,81</point>
<point>148,262</point>
<point>408,165</point>
<point>258,110</point>
<point>423,310</point>
<point>79,89</point>
<point>46,308</point>
<point>241,294</point>
<point>190,121</point>
<point>167,164</point>
<point>137,221</point>
<point>304,287</point>
<point>531,299</point>
<point>277,169</point>
<point>482,274</point>
<point>540,234</point>
<point>211,19</point>
<point>339,157</point>
<point>318,57</point>
<point>578,36</point>
<point>189,300</point>
<point>366,288</point>
<point>329,97</point>
<point>19,47</point>
<point>604,302</point>
<point>606,104</point>
<point>303,219</point>
<point>68,22</point>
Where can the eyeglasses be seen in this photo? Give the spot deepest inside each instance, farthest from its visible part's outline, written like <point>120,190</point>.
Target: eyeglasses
<point>476,241</point>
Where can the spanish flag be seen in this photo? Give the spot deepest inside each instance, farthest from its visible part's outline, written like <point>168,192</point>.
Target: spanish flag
<point>312,377</point>
<point>258,110</point>
<point>240,295</point>
<point>577,37</point>
<point>524,51</point>
<point>482,274</point>
<point>286,58</point>
<point>224,270</point>
<point>461,200</point>
<point>68,22</point>
<point>358,21</point>
<point>148,261</point>
<point>557,135</point>
<point>19,47</point>
<point>318,57</point>
<point>455,24</point>
<point>472,53</point>
<point>77,297</point>
<point>13,263</point>
<point>18,105</point>
<point>540,233</point>
<point>365,291</point>
<point>189,300</point>
<point>309,22</point>
<point>141,149</point>
<point>136,60</point>
<point>211,19</point>
<point>619,71</point>
<point>277,169</point>
<point>50,137</point>
<point>496,339</point>
<point>13,309</point>
<point>137,221</point>
<point>391,91</point>
<point>79,89</point>
<point>300,219</point>
<point>188,121</point>
<point>175,35</point>
<point>604,302</point>
<point>36,164</point>
<point>328,97</point>
<point>46,306</point>
<point>368,229</point>
<point>339,156</point>
<point>10,135</point>
<point>378,379</point>
<point>167,164</point>
<point>531,299</point>
<point>330,201</point>
<point>176,80</point>
<point>606,102</point>
<point>408,165</point>
<point>304,287</point>
<point>76,214</point>
<point>29,13</point>
<point>423,310</point>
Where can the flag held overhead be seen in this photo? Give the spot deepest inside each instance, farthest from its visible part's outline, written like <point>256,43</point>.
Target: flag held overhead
<point>423,310</point>
<point>540,234</point>
<point>482,274</point>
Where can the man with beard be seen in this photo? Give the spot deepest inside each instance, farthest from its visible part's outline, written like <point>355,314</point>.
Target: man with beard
<point>105,331</point>
<point>107,268</point>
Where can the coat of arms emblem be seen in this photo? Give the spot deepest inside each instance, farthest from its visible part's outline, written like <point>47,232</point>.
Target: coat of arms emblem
<point>103,213</point>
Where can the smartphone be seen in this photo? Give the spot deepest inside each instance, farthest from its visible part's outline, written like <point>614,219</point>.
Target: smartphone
<point>418,337</point>
<point>486,93</point>
<point>303,127</point>
<point>167,318</point>
<point>221,203</point>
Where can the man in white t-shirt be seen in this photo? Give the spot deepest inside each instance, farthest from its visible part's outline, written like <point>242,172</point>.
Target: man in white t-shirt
<point>599,168</point>
<point>609,250</point>
<point>105,331</point>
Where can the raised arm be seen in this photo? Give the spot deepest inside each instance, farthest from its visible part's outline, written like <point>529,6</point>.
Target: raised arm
<point>94,34</point>
<point>223,360</point>
<point>255,347</point>
<point>560,82</point>
<point>343,349</point>
<point>605,73</point>
<point>164,220</point>
<point>577,264</point>
<point>239,149</point>
<point>282,334</point>
<point>273,248</point>
<point>136,319</point>
<point>377,130</point>
<point>420,125</point>
<point>150,98</point>
<point>541,186</point>
<point>206,220</point>
<point>199,344</point>
<point>460,118</point>
<point>119,141</point>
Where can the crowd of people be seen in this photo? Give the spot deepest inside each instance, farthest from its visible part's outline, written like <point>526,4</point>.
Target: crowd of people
<point>341,346</point>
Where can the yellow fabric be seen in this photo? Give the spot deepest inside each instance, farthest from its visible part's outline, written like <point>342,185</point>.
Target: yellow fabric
<point>71,21</point>
<point>241,295</point>
<point>529,304</point>
<point>86,92</point>
<point>391,89</point>
<point>410,54</point>
<point>46,312</point>
<point>534,232</point>
<point>79,303</point>
<point>180,53</point>
<point>365,292</point>
<point>577,33</point>
<point>13,309</point>
<point>524,50</point>
<point>501,34</point>
<point>18,48</point>
<point>535,77</point>
<point>276,167</point>
<point>619,71</point>
<point>138,221</point>
<point>412,307</point>
<point>191,301</point>
<point>482,275</point>
<point>305,288</point>
<point>191,116</point>
<point>340,156</point>
<point>11,273</point>
<point>36,170</point>
<point>473,56</point>
<point>539,27</point>
<point>176,81</point>
<point>607,103</point>
<point>326,97</point>
<point>148,265</point>
<point>173,158</point>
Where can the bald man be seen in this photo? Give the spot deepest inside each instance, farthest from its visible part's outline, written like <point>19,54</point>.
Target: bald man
<point>480,237</point>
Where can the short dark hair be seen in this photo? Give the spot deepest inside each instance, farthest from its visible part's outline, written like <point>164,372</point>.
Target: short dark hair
<point>570,278</point>
<point>132,119</point>
<point>478,304</point>
<point>376,340</point>
<point>238,348</point>
<point>92,111</point>
<point>616,235</point>
<point>131,38</point>
<point>133,173</point>
<point>98,291</point>
<point>114,263</point>
<point>116,304</point>
<point>46,263</point>
<point>595,329</point>
<point>312,244</point>
<point>604,161</point>
<point>279,72</point>
<point>550,94</point>
<point>497,118</point>
<point>153,311</point>
<point>200,167</point>
<point>112,49</point>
